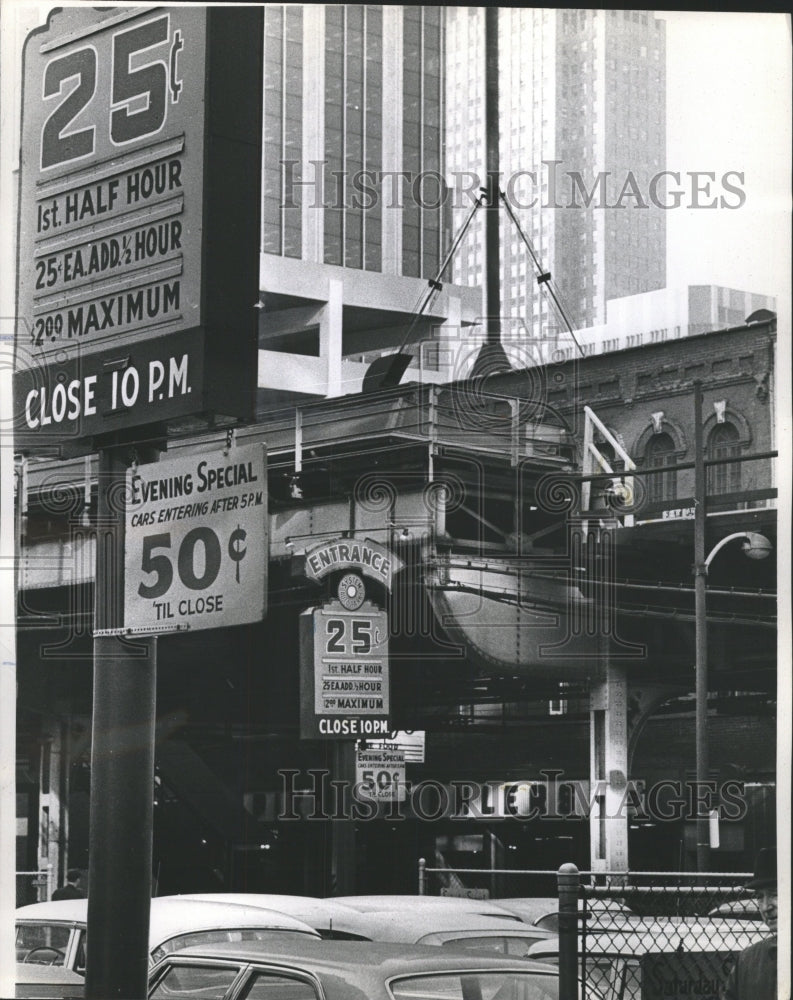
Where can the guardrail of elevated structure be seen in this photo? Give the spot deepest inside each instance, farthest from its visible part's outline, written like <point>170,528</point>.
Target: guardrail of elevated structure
<point>453,415</point>
<point>622,502</point>
<point>34,886</point>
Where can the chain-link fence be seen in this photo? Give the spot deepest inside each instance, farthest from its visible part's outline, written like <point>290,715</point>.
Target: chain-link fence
<point>648,935</point>
<point>626,935</point>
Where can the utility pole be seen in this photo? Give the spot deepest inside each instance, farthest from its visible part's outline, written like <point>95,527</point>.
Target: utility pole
<point>492,247</point>
<point>491,357</point>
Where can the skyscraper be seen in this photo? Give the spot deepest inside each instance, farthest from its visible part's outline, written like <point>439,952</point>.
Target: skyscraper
<point>583,123</point>
<point>334,75</point>
<point>353,216</point>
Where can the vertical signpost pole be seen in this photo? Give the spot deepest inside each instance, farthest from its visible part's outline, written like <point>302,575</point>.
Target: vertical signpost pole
<point>342,836</point>
<point>122,768</point>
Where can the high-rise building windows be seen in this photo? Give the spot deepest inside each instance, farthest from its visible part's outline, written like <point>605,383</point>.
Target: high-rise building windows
<point>283,130</point>
<point>424,220</point>
<point>353,135</point>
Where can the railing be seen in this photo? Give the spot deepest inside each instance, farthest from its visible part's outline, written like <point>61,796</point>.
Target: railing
<point>491,881</point>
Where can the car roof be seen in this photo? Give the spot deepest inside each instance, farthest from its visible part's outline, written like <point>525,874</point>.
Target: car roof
<point>322,914</point>
<point>533,908</point>
<point>171,915</point>
<point>331,956</point>
<point>746,909</point>
<point>32,972</point>
<point>40,981</point>
<point>56,909</point>
<point>374,903</point>
<point>409,926</point>
<point>529,908</point>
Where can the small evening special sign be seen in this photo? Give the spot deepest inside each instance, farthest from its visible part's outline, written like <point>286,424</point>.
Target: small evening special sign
<point>381,774</point>
<point>196,544</point>
<point>344,681</point>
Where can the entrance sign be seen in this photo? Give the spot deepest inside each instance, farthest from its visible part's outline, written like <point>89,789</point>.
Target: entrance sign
<point>344,672</point>
<point>367,557</point>
<point>138,231</point>
<point>381,774</point>
<point>196,546</point>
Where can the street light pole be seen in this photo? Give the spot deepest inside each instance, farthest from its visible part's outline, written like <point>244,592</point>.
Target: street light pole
<point>755,546</point>
<point>701,636</point>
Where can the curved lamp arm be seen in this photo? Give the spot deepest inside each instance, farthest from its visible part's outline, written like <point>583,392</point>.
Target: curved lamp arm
<point>756,546</point>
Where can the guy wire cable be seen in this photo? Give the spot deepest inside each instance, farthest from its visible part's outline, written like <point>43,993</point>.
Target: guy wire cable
<point>543,277</point>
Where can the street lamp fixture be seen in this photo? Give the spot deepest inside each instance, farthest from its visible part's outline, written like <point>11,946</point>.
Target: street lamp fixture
<point>755,546</point>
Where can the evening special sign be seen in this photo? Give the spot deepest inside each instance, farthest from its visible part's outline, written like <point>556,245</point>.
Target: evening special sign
<point>196,549</point>
<point>138,251</point>
<point>344,672</point>
<point>381,774</point>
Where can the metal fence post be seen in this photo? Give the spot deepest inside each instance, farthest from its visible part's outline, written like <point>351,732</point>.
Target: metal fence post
<point>568,883</point>
<point>422,876</point>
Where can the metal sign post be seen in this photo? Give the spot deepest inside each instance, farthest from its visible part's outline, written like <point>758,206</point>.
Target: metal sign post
<point>122,768</point>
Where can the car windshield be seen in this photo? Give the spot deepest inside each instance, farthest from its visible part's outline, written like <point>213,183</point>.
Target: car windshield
<point>198,982</point>
<point>477,986</point>
<point>42,944</point>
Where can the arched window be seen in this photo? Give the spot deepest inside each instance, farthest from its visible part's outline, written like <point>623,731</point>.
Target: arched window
<point>724,442</point>
<point>660,451</point>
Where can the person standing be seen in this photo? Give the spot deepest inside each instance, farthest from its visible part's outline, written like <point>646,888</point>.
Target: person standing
<point>754,975</point>
<point>73,887</point>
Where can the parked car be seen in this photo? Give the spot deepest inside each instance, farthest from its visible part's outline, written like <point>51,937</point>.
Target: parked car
<point>54,933</point>
<point>683,956</point>
<point>449,924</point>
<point>371,904</point>
<point>454,928</point>
<point>738,909</point>
<point>543,911</point>
<point>330,918</point>
<point>41,982</point>
<point>345,970</point>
